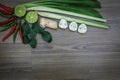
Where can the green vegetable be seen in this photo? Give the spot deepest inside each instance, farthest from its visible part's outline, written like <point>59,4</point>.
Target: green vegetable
<point>26,28</point>
<point>83,3</point>
<point>15,32</point>
<point>57,16</point>
<point>26,39</point>
<point>33,43</point>
<point>48,9</point>
<point>7,27</point>
<point>32,33</point>
<point>37,28</point>
<point>45,34</point>
<point>82,10</point>
<point>5,15</point>
<point>8,24</point>
<point>26,32</point>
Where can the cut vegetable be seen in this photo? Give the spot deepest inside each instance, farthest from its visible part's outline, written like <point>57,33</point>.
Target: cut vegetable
<point>48,23</point>
<point>63,24</point>
<point>82,28</point>
<point>20,10</point>
<point>73,26</point>
<point>32,17</point>
<point>58,16</point>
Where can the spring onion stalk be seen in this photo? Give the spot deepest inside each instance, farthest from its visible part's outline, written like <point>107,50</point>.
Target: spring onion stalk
<point>58,16</point>
<point>48,9</point>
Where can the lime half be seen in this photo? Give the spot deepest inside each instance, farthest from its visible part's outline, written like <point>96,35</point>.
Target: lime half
<point>32,17</point>
<point>20,10</point>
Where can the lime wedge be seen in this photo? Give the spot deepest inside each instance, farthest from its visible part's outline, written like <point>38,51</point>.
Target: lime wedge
<point>32,17</point>
<point>20,11</point>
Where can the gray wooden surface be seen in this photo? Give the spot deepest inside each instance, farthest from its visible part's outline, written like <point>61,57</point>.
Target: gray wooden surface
<point>71,56</point>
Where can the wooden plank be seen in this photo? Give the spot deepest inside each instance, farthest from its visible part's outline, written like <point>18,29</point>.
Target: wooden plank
<point>71,56</point>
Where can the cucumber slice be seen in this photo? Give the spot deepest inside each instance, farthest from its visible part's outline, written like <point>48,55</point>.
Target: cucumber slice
<point>20,10</point>
<point>63,24</point>
<point>82,28</point>
<point>32,17</point>
<point>73,26</point>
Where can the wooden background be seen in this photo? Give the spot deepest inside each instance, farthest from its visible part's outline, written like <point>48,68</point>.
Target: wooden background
<point>71,56</point>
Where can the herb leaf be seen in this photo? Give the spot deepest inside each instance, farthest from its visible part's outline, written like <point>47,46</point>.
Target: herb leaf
<point>33,43</point>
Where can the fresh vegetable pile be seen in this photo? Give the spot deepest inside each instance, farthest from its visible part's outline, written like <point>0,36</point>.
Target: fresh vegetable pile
<point>31,18</point>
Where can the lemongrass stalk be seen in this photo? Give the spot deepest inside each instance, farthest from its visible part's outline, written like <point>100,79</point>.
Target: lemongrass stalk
<point>48,9</point>
<point>58,16</point>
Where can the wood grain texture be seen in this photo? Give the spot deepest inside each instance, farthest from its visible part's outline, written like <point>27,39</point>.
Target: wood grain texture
<point>71,56</point>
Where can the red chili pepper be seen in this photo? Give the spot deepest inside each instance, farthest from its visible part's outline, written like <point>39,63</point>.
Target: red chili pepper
<point>10,32</point>
<point>21,34</point>
<point>5,12</point>
<point>6,8</point>
<point>7,21</point>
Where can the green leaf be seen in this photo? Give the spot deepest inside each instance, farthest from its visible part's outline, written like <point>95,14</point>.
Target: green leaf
<point>33,43</point>
<point>46,36</point>
<point>26,28</point>
<point>37,28</point>
<point>26,39</point>
<point>32,33</point>
<point>26,32</point>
